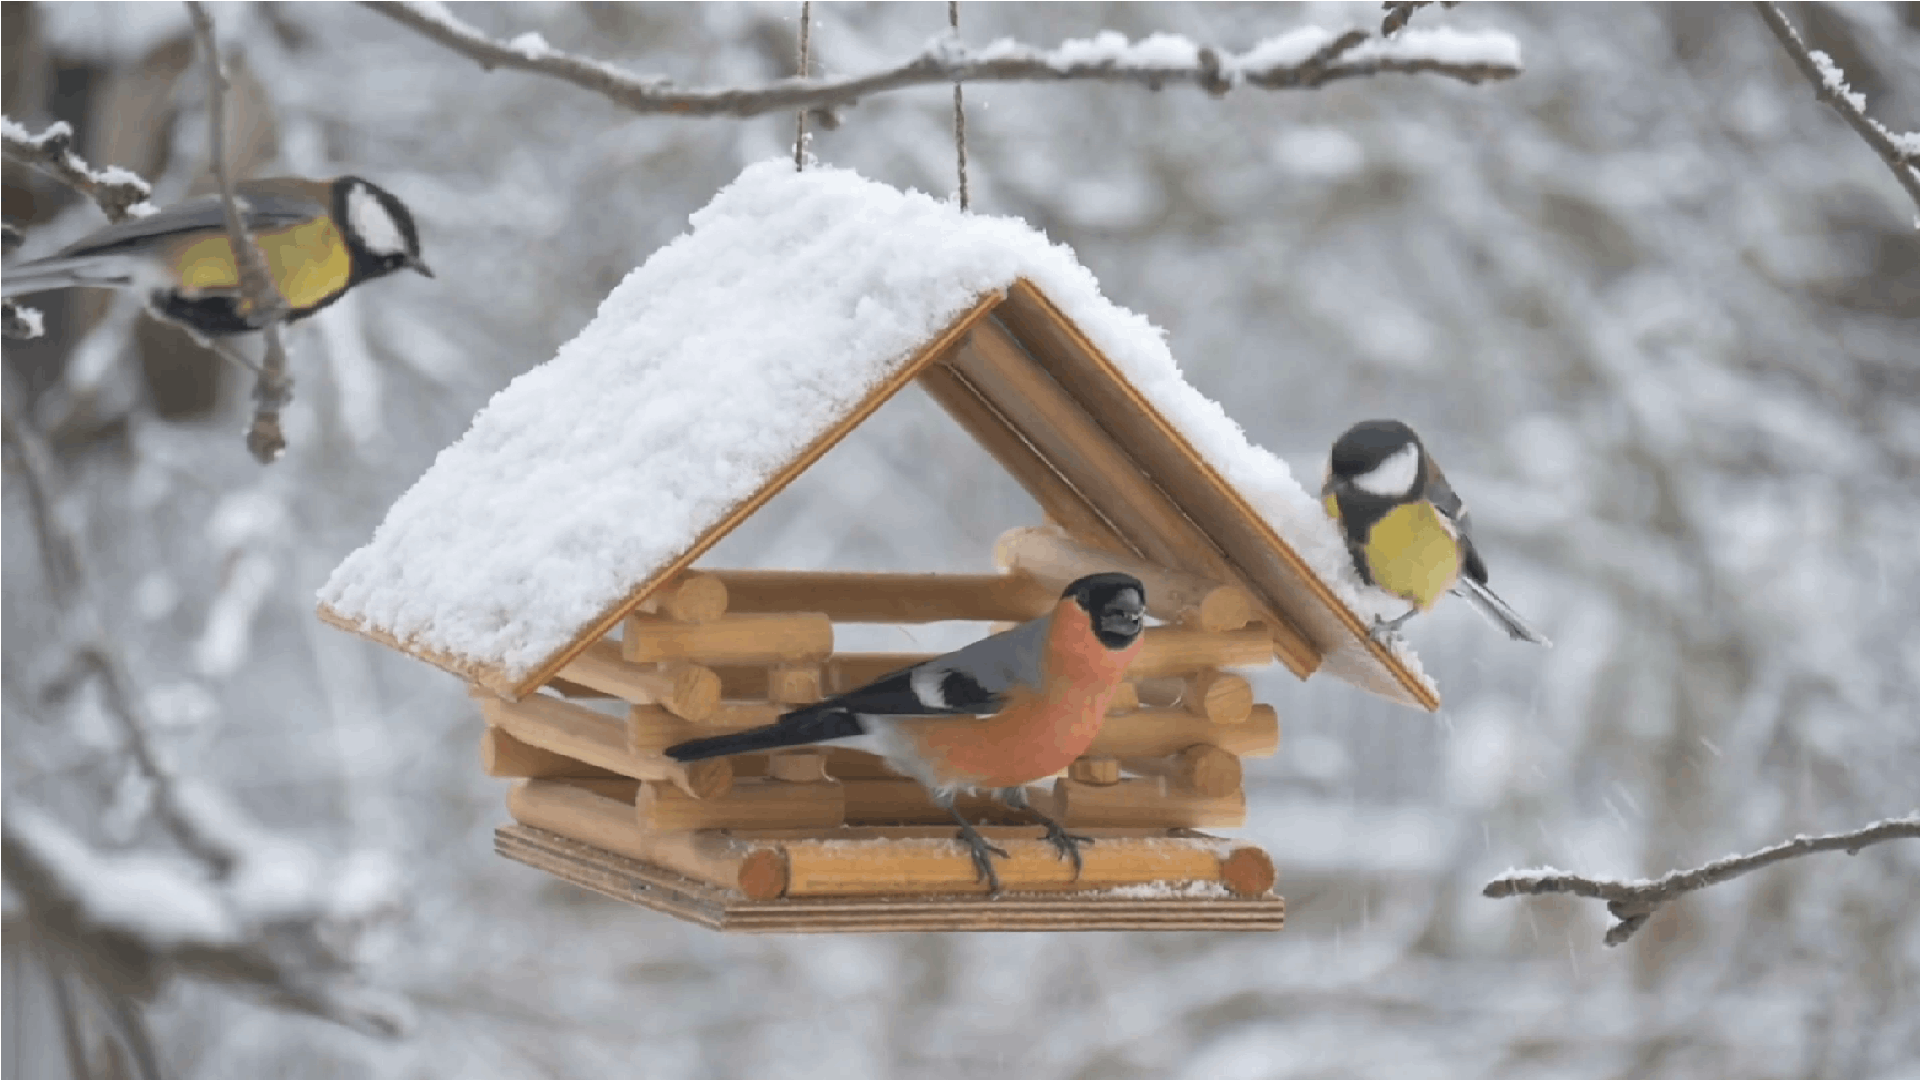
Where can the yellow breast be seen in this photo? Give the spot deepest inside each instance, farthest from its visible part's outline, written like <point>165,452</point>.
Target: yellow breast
<point>308,262</point>
<point>1412,553</point>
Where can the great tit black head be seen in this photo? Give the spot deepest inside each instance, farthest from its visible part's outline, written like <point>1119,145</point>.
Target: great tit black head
<point>1117,604</point>
<point>320,238</point>
<point>1381,458</point>
<point>378,229</point>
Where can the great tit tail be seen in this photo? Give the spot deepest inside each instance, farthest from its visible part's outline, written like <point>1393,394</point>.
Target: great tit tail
<point>1503,616</point>
<point>799,728</point>
<point>57,273</point>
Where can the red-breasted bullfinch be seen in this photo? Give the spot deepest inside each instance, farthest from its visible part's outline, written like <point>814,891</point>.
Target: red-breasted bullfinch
<point>996,715</point>
<point>1406,529</point>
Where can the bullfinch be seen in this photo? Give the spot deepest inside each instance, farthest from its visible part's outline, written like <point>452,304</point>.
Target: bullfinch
<point>996,715</point>
<point>1406,529</point>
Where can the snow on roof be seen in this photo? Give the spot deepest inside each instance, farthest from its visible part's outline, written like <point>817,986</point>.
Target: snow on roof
<point>706,371</point>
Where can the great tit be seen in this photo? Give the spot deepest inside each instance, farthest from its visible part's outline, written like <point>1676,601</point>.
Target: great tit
<point>1406,529</point>
<point>320,238</point>
<point>996,715</point>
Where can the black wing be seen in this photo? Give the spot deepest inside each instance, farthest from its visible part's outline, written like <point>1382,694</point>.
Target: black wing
<point>1447,501</point>
<point>265,210</point>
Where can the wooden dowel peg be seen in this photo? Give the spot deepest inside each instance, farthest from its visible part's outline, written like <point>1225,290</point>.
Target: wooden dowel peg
<point>798,766</point>
<point>757,871</point>
<point>888,598</point>
<point>686,690</point>
<point>1145,802</point>
<point>593,737</point>
<point>1219,696</point>
<point>695,598</point>
<point>1152,733</point>
<point>1199,769</point>
<point>1095,770</point>
<point>794,684</point>
<point>503,755</point>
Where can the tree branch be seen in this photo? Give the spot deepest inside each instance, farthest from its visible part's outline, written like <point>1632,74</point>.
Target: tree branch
<point>1296,60</point>
<point>118,192</point>
<point>1900,152</point>
<point>260,298</point>
<point>1634,902</point>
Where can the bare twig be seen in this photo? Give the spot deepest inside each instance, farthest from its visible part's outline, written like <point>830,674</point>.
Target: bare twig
<point>1634,902</point>
<point>261,299</point>
<point>1400,11</point>
<point>95,651</point>
<point>119,193</point>
<point>1105,59</point>
<point>1830,86</point>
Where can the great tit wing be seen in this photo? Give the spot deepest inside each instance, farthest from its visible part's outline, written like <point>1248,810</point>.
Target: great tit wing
<point>973,680</point>
<point>264,211</point>
<point>1447,501</point>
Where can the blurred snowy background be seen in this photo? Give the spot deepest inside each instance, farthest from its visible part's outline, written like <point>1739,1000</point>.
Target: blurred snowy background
<point>1656,308</point>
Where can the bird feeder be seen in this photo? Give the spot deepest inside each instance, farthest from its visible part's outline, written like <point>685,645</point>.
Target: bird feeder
<point>553,560</point>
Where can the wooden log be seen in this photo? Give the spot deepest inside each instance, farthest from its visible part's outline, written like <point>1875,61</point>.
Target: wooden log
<point>758,871</point>
<point>940,865</point>
<point>889,598</point>
<point>695,598</point>
<point>1095,770</point>
<point>1053,558</point>
<point>1158,732</point>
<point>584,734</point>
<point>1220,696</point>
<point>687,690</point>
<point>905,802</point>
<point>1199,769</point>
<point>1248,871</point>
<point>842,764</point>
<point>1145,803</point>
<point>503,755</point>
<point>752,804</point>
<point>651,729</point>
<point>1058,498</point>
<point>794,684</point>
<point>798,766</point>
<point>732,639</point>
<point>745,684</point>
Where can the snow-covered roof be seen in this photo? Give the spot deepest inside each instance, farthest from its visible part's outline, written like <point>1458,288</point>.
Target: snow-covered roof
<point>794,303</point>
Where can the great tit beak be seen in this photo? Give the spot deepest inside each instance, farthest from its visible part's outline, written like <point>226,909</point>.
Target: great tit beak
<point>419,266</point>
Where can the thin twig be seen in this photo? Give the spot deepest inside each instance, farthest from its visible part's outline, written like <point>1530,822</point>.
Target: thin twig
<point>1830,86</point>
<point>118,192</point>
<point>72,585</point>
<point>260,298</point>
<point>945,62</point>
<point>1634,902</point>
<point>1399,11</point>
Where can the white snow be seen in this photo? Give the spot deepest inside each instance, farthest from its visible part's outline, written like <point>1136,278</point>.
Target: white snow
<point>707,370</point>
<point>160,899</point>
<point>1835,81</point>
<point>1284,50</point>
<point>1442,45</point>
<point>531,45</point>
<point>1112,47</point>
<point>32,322</point>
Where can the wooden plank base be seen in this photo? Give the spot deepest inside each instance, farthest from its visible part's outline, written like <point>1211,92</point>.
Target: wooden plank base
<point>642,883</point>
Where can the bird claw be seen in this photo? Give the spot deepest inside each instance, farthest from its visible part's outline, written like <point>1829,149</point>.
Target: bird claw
<point>1068,844</point>
<point>983,853</point>
<point>1384,631</point>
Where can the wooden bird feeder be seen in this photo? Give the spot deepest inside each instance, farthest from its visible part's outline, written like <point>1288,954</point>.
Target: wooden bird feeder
<point>817,840</point>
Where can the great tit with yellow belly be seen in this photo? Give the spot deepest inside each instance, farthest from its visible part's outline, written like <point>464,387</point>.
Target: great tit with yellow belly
<point>1407,530</point>
<point>320,238</point>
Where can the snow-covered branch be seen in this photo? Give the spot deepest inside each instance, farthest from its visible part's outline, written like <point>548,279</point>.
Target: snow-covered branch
<point>1399,11</point>
<point>234,904</point>
<point>1307,57</point>
<point>273,388</point>
<point>1634,902</point>
<point>118,192</point>
<point>1901,152</point>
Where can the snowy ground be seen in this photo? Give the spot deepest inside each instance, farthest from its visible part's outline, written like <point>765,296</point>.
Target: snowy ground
<point>1653,305</point>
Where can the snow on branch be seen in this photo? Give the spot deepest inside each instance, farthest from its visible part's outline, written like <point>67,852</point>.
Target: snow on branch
<point>119,193</point>
<point>273,388</point>
<point>1306,57</point>
<point>1901,152</point>
<point>1399,11</point>
<point>1634,902</point>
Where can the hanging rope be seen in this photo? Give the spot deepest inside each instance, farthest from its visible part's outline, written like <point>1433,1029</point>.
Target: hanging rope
<point>800,120</point>
<point>959,109</point>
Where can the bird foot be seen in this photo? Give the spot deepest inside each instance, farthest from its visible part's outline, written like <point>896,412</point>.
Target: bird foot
<point>1384,631</point>
<point>1068,844</point>
<point>983,853</point>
